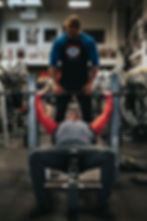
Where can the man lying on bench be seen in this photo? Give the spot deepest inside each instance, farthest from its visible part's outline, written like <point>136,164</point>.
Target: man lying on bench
<point>72,132</point>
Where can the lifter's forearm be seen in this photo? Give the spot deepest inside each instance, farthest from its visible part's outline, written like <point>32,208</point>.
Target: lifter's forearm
<point>101,121</point>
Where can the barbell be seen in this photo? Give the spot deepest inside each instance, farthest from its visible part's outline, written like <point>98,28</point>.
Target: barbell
<point>122,93</point>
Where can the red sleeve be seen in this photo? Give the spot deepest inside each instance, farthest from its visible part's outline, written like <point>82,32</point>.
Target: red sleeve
<point>101,121</point>
<point>49,124</point>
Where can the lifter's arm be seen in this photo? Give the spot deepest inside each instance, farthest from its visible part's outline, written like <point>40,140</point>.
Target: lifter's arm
<point>101,121</point>
<point>49,124</point>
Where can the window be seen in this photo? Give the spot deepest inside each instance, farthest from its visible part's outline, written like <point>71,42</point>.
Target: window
<point>50,35</point>
<point>12,35</point>
<point>98,35</point>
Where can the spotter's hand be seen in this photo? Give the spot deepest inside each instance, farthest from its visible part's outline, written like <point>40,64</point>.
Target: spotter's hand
<point>44,90</point>
<point>58,89</point>
<point>88,89</point>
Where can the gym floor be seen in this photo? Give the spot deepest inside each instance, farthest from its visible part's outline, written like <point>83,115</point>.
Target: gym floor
<point>128,202</point>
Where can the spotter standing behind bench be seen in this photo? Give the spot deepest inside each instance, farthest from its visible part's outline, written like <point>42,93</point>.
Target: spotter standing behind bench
<point>73,131</point>
<point>76,55</point>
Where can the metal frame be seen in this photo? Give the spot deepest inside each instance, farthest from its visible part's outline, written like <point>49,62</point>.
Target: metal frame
<point>4,118</point>
<point>115,122</point>
<point>32,121</point>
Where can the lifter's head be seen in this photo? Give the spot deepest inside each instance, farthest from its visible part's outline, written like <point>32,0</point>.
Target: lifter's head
<point>72,26</point>
<point>73,114</point>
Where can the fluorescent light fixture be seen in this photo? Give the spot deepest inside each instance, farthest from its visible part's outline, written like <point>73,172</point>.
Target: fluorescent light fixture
<point>79,4</point>
<point>24,3</point>
<point>1,4</point>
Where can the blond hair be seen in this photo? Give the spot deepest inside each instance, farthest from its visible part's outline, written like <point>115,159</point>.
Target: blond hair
<point>73,21</point>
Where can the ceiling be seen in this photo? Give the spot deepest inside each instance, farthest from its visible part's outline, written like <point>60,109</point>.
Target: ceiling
<point>101,5</point>
<point>97,5</point>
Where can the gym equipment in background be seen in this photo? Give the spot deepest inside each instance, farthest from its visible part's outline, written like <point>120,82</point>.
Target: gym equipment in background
<point>3,117</point>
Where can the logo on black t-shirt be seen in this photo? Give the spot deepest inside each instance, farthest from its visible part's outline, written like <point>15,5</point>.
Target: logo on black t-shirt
<point>73,51</point>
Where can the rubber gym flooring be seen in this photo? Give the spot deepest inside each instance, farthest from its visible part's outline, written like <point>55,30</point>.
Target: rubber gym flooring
<point>128,202</point>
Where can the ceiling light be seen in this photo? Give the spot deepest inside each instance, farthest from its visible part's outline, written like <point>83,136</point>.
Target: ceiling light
<point>24,3</point>
<point>79,4</point>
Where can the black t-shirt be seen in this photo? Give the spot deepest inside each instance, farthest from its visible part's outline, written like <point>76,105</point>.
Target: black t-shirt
<point>74,65</point>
